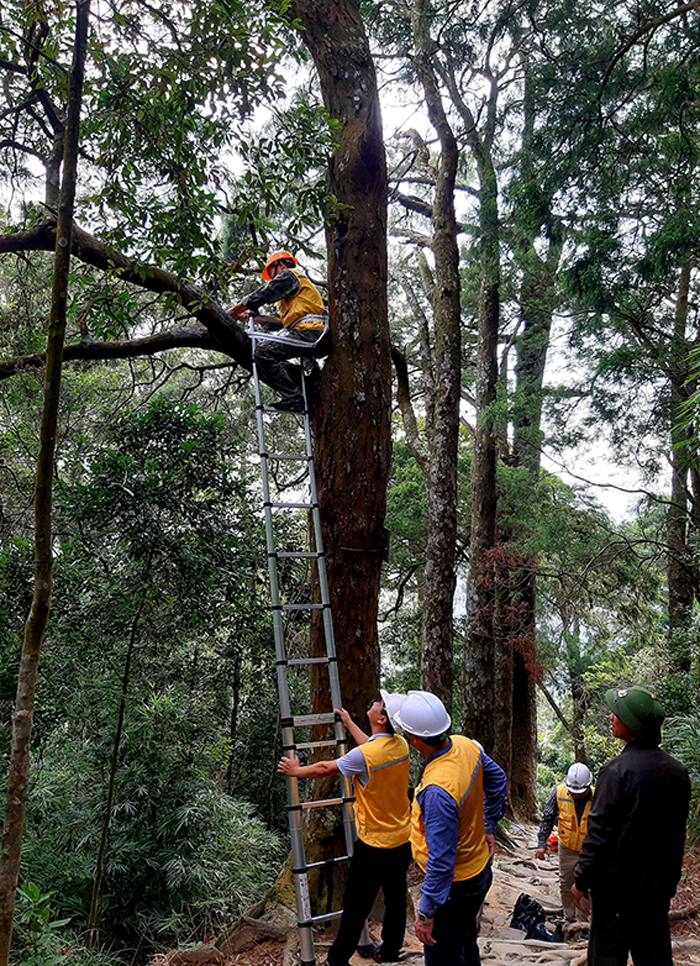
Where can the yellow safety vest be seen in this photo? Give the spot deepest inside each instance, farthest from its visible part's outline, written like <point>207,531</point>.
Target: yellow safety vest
<point>571,834</point>
<point>382,808</point>
<point>307,301</point>
<point>459,772</point>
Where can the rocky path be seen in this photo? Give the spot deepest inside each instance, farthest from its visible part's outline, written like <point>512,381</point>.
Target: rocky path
<point>268,937</point>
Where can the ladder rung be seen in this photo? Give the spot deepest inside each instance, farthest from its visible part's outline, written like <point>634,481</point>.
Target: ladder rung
<point>287,412</point>
<point>296,553</point>
<point>320,865</point>
<point>286,456</point>
<point>310,745</point>
<point>292,506</point>
<point>302,606</point>
<point>306,660</point>
<point>327,915</point>
<point>307,720</point>
<point>322,802</point>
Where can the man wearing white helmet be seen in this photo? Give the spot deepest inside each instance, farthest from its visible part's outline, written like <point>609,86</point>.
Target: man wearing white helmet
<point>457,805</point>
<point>569,805</point>
<point>379,768</point>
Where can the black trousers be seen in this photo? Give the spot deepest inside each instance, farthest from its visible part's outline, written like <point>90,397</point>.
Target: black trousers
<point>455,928</point>
<point>641,929</point>
<point>270,358</point>
<point>372,869</point>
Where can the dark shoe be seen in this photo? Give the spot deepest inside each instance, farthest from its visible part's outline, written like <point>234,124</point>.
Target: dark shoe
<point>293,405</point>
<point>378,957</point>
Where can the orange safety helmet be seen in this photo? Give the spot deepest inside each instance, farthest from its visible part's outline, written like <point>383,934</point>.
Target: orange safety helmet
<point>276,257</point>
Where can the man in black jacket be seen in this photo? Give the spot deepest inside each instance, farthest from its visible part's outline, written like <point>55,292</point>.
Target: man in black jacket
<point>632,855</point>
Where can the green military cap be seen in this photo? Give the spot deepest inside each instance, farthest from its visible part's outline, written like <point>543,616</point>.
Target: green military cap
<point>638,708</point>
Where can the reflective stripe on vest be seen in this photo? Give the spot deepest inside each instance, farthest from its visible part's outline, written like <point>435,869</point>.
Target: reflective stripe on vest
<point>307,301</point>
<point>460,773</point>
<point>571,834</point>
<point>382,808</point>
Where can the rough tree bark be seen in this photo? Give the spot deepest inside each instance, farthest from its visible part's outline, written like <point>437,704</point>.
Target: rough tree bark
<point>442,422</point>
<point>352,416</point>
<point>480,716</point>
<point>36,622</point>
<point>537,298</point>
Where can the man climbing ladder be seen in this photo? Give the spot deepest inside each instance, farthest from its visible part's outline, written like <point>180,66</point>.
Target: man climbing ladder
<point>302,319</point>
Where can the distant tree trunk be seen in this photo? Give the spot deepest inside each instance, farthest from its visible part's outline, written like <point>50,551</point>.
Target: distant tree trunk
<point>233,723</point>
<point>352,418</point>
<point>442,424</point>
<point>538,292</point>
<point>92,927</point>
<point>479,716</point>
<point>34,631</point>
<point>681,585</point>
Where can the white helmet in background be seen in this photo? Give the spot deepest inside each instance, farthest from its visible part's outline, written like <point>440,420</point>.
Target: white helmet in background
<point>578,778</point>
<point>423,715</point>
<point>392,703</point>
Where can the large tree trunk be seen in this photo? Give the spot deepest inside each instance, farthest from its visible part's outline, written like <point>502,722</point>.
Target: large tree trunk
<point>352,417</point>
<point>18,776</point>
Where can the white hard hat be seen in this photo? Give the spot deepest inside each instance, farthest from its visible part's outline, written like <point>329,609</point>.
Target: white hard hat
<point>578,778</point>
<point>424,715</point>
<point>392,703</point>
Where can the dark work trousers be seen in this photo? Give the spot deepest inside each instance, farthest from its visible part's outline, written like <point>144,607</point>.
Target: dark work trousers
<point>455,926</point>
<point>372,869</point>
<point>271,356</point>
<point>641,930</point>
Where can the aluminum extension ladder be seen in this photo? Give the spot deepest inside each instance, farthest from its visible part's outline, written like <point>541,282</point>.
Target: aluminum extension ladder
<point>290,721</point>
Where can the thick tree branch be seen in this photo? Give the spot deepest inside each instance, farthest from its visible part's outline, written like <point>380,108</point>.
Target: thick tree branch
<point>194,337</point>
<point>231,337</point>
<point>408,416</point>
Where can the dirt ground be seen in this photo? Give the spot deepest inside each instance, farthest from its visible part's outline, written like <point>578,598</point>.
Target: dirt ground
<point>515,871</point>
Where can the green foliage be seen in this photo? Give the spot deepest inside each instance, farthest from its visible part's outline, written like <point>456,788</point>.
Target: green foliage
<point>184,856</point>
<point>682,739</point>
<point>160,547</point>
<point>37,929</point>
<point>282,189</point>
<point>166,84</point>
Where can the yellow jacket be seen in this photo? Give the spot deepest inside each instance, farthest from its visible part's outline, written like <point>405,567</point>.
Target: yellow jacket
<point>459,773</point>
<point>571,833</point>
<point>307,301</point>
<point>382,808</point>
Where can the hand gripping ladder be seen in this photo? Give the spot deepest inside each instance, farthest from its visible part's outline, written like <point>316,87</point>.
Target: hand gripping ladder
<point>290,722</point>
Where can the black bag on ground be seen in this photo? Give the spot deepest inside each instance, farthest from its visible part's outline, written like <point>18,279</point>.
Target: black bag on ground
<point>529,916</point>
<point>527,913</point>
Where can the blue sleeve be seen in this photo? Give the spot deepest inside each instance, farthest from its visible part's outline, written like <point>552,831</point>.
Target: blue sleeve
<point>495,789</point>
<point>440,819</point>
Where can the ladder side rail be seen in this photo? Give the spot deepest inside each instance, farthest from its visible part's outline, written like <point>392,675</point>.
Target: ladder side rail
<point>294,810</point>
<point>295,807</point>
<point>334,677</point>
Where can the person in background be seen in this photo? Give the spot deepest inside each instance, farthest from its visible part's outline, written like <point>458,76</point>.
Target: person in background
<point>458,802</point>
<point>568,805</point>
<point>631,858</point>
